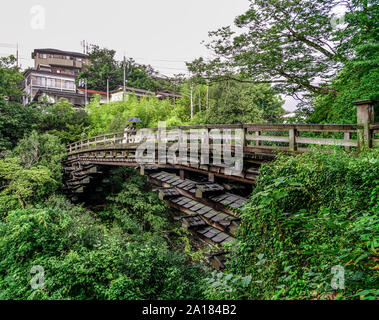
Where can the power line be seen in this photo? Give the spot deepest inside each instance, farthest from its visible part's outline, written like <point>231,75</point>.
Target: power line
<point>8,54</point>
<point>8,45</point>
<point>169,68</point>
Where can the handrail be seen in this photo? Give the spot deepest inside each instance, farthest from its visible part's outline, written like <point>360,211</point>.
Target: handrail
<point>252,132</point>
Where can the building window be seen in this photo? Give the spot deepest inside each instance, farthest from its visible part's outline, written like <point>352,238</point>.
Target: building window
<point>51,83</point>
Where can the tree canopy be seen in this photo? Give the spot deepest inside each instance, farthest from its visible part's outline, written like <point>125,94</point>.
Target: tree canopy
<point>10,78</point>
<point>103,66</point>
<point>292,44</point>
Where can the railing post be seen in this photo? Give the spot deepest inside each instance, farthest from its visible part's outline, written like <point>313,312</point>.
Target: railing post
<point>257,142</point>
<point>347,136</point>
<point>292,139</point>
<point>365,117</point>
<point>158,135</point>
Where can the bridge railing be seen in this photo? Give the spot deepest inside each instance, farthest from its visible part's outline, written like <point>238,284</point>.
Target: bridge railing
<point>256,137</point>
<point>285,137</point>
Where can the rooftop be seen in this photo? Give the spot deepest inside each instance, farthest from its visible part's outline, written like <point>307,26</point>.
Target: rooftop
<point>56,51</point>
<point>35,71</point>
<point>92,91</point>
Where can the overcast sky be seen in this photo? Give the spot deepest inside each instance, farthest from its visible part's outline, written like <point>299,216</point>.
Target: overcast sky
<point>163,33</point>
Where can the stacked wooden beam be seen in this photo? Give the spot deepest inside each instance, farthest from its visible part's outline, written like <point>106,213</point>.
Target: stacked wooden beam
<point>165,193</point>
<point>203,219</point>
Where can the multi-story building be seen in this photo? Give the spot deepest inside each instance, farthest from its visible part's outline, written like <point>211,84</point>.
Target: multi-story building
<point>53,76</point>
<point>59,61</point>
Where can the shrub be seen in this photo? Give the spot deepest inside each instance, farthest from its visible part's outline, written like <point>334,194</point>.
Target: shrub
<point>307,214</point>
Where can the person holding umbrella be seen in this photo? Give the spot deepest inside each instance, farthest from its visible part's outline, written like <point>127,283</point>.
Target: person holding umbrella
<point>133,129</point>
<point>126,130</point>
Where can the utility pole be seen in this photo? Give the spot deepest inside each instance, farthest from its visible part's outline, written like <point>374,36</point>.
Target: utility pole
<point>107,90</point>
<point>17,53</point>
<point>81,83</point>
<point>199,100</point>
<point>124,85</point>
<point>191,101</point>
<point>85,90</point>
<point>207,103</point>
<point>83,43</point>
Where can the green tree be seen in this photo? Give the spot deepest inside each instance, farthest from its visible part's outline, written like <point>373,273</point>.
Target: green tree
<point>85,260</point>
<point>234,102</point>
<point>22,187</point>
<point>63,121</point>
<point>287,43</point>
<point>112,116</point>
<point>103,66</point>
<point>16,120</point>
<point>10,77</point>
<point>41,150</point>
<point>359,78</point>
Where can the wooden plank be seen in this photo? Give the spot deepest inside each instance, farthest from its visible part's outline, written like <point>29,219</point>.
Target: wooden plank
<point>302,127</point>
<point>329,142</point>
<point>267,138</point>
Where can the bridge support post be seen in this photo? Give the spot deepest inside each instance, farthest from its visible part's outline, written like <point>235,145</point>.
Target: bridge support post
<point>182,175</point>
<point>257,143</point>
<point>365,117</point>
<point>142,170</point>
<point>292,139</point>
<point>347,136</point>
<point>211,177</point>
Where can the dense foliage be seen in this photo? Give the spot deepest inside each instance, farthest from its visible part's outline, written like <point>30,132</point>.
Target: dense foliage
<point>103,66</point>
<point>359,78</point>
<point>288,43</point>
<point>112,117</point>
<point>323,53</point>
<point>121,254</point>
<point>234,102</point>
<point>307,214</point>
<point>10,77</point>
<point>15,121</point>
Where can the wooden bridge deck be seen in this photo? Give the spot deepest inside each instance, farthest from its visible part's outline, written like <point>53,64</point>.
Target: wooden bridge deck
<point>255,143</point>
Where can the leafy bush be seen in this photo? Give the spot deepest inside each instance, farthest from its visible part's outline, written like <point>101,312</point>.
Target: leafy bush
<point>112,116</point>
<point>83,259</point>
<point>307,214</point>
<point>16,120</point>
<point>41,149</point>
<point>63,121</point>
<point>22,187</point>
<point>136,206</point>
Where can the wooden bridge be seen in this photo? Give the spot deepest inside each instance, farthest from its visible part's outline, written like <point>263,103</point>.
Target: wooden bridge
<point>203,186</point>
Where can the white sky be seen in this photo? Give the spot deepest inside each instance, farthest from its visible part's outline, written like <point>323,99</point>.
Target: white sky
<point>163,33</point>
